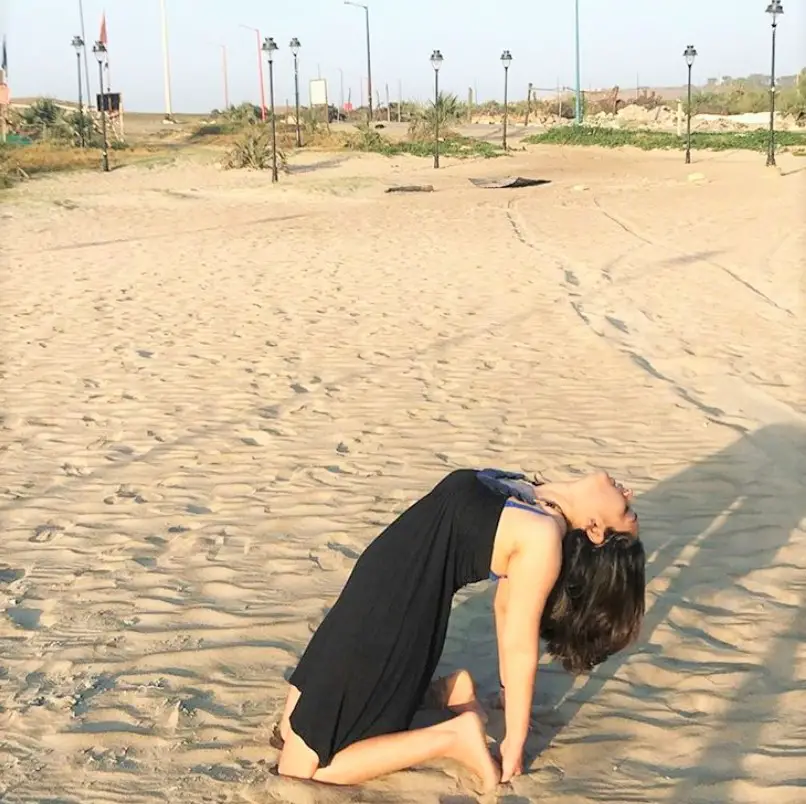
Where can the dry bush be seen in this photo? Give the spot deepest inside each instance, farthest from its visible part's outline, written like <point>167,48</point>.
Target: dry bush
<point>253,151</point>
<point>447,110</point>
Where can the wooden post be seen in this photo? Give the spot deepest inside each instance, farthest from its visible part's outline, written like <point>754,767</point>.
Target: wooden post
<point>528,104</point>
<point>388,106</point>
<point>470,104</point>
<point>399,101</point>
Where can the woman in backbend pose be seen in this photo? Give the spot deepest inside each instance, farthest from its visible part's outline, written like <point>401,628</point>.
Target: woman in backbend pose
<point>570,569</point>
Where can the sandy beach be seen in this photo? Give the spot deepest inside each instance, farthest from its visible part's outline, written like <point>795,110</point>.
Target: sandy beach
<point>216,392</point>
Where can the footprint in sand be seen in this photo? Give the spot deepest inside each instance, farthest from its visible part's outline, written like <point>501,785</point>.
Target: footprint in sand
<point>258,438</point>
<point>47,532</point>
<point>72,470</point>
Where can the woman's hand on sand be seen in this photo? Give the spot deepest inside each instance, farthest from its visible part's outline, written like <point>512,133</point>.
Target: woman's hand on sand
<point>511,761</point>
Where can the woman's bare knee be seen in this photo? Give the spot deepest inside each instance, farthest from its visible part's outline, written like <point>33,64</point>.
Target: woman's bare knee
<point>296,759</point>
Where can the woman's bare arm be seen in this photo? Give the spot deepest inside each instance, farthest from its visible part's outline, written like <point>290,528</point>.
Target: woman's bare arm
<point>500,612</point>
<point>532,572</point>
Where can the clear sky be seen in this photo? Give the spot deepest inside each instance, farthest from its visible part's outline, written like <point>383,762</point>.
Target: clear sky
<point>623,41</point>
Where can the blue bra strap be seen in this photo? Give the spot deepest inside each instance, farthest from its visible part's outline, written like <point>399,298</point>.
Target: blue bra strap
<point>524,507</point>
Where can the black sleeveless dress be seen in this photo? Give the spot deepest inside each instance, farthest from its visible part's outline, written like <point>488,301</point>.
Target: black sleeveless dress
<point>370,662</point>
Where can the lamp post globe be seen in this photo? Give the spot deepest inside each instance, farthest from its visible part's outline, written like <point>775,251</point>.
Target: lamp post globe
<point>436,60</point>
<point>269,48</point>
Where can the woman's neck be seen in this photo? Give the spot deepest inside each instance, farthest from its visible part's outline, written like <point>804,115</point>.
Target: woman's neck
<point>556,496</point>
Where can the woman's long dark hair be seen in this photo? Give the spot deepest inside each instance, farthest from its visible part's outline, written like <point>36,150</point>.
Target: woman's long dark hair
<point>597,605</point>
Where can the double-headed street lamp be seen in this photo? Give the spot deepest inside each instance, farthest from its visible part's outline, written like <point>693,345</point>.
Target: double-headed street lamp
<point>689,54</point>
<point>295,48</point>
<point>775,9</point>
<point>436,63</point>
<point>78,44</point>
<point>99,49</point>
<point>270,48</point>
<point>506,60</point>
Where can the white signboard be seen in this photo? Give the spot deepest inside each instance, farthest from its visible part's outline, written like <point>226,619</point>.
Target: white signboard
<point>318,92</point>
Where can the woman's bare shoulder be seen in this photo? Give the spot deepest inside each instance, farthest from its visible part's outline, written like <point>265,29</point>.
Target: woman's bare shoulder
<point>536,534</point>
<point>535,560</point>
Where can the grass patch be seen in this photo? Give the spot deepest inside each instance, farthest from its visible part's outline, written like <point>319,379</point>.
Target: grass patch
<point>21,161</point>
<point>457,147</point>
<point>664,140</point>
<point>369,140</point>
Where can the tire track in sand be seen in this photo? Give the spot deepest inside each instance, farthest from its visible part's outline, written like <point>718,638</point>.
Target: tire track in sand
<point>727,400</point>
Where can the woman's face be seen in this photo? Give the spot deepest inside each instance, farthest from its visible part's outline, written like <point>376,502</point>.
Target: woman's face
<point>604,504</point>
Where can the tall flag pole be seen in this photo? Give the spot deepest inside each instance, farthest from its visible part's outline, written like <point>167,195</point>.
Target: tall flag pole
<point>104,37</point>
<point>166,62</point>
<point>86,55</point>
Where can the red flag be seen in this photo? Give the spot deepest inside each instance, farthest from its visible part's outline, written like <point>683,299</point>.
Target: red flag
<point>103,37</point>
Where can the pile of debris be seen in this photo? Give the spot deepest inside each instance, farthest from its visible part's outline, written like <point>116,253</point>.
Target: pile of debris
<point>664,118</point>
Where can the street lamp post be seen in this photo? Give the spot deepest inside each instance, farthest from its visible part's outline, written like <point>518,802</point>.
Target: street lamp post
<point>690,53</point>
<point>295,47</point>
<point>506,60</point>
<point>78,44</point>
<point>436,63</point>
<point>99,49</point>
<point>270,48</point>
<point>774,9</point>
<point>369,57</point>
<point>225,74</point>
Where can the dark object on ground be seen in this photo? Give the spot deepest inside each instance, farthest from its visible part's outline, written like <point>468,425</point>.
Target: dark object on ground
<point>411,188</point>
<point>507,182</point>
<point>310,168</point>
<point>335,115</point>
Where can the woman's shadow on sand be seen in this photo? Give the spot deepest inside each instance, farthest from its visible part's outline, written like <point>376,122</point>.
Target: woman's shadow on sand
<point>707,527</point>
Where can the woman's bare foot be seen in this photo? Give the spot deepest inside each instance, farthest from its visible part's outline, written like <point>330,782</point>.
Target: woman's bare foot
<point>471,749</point>
<point>460,695</point>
